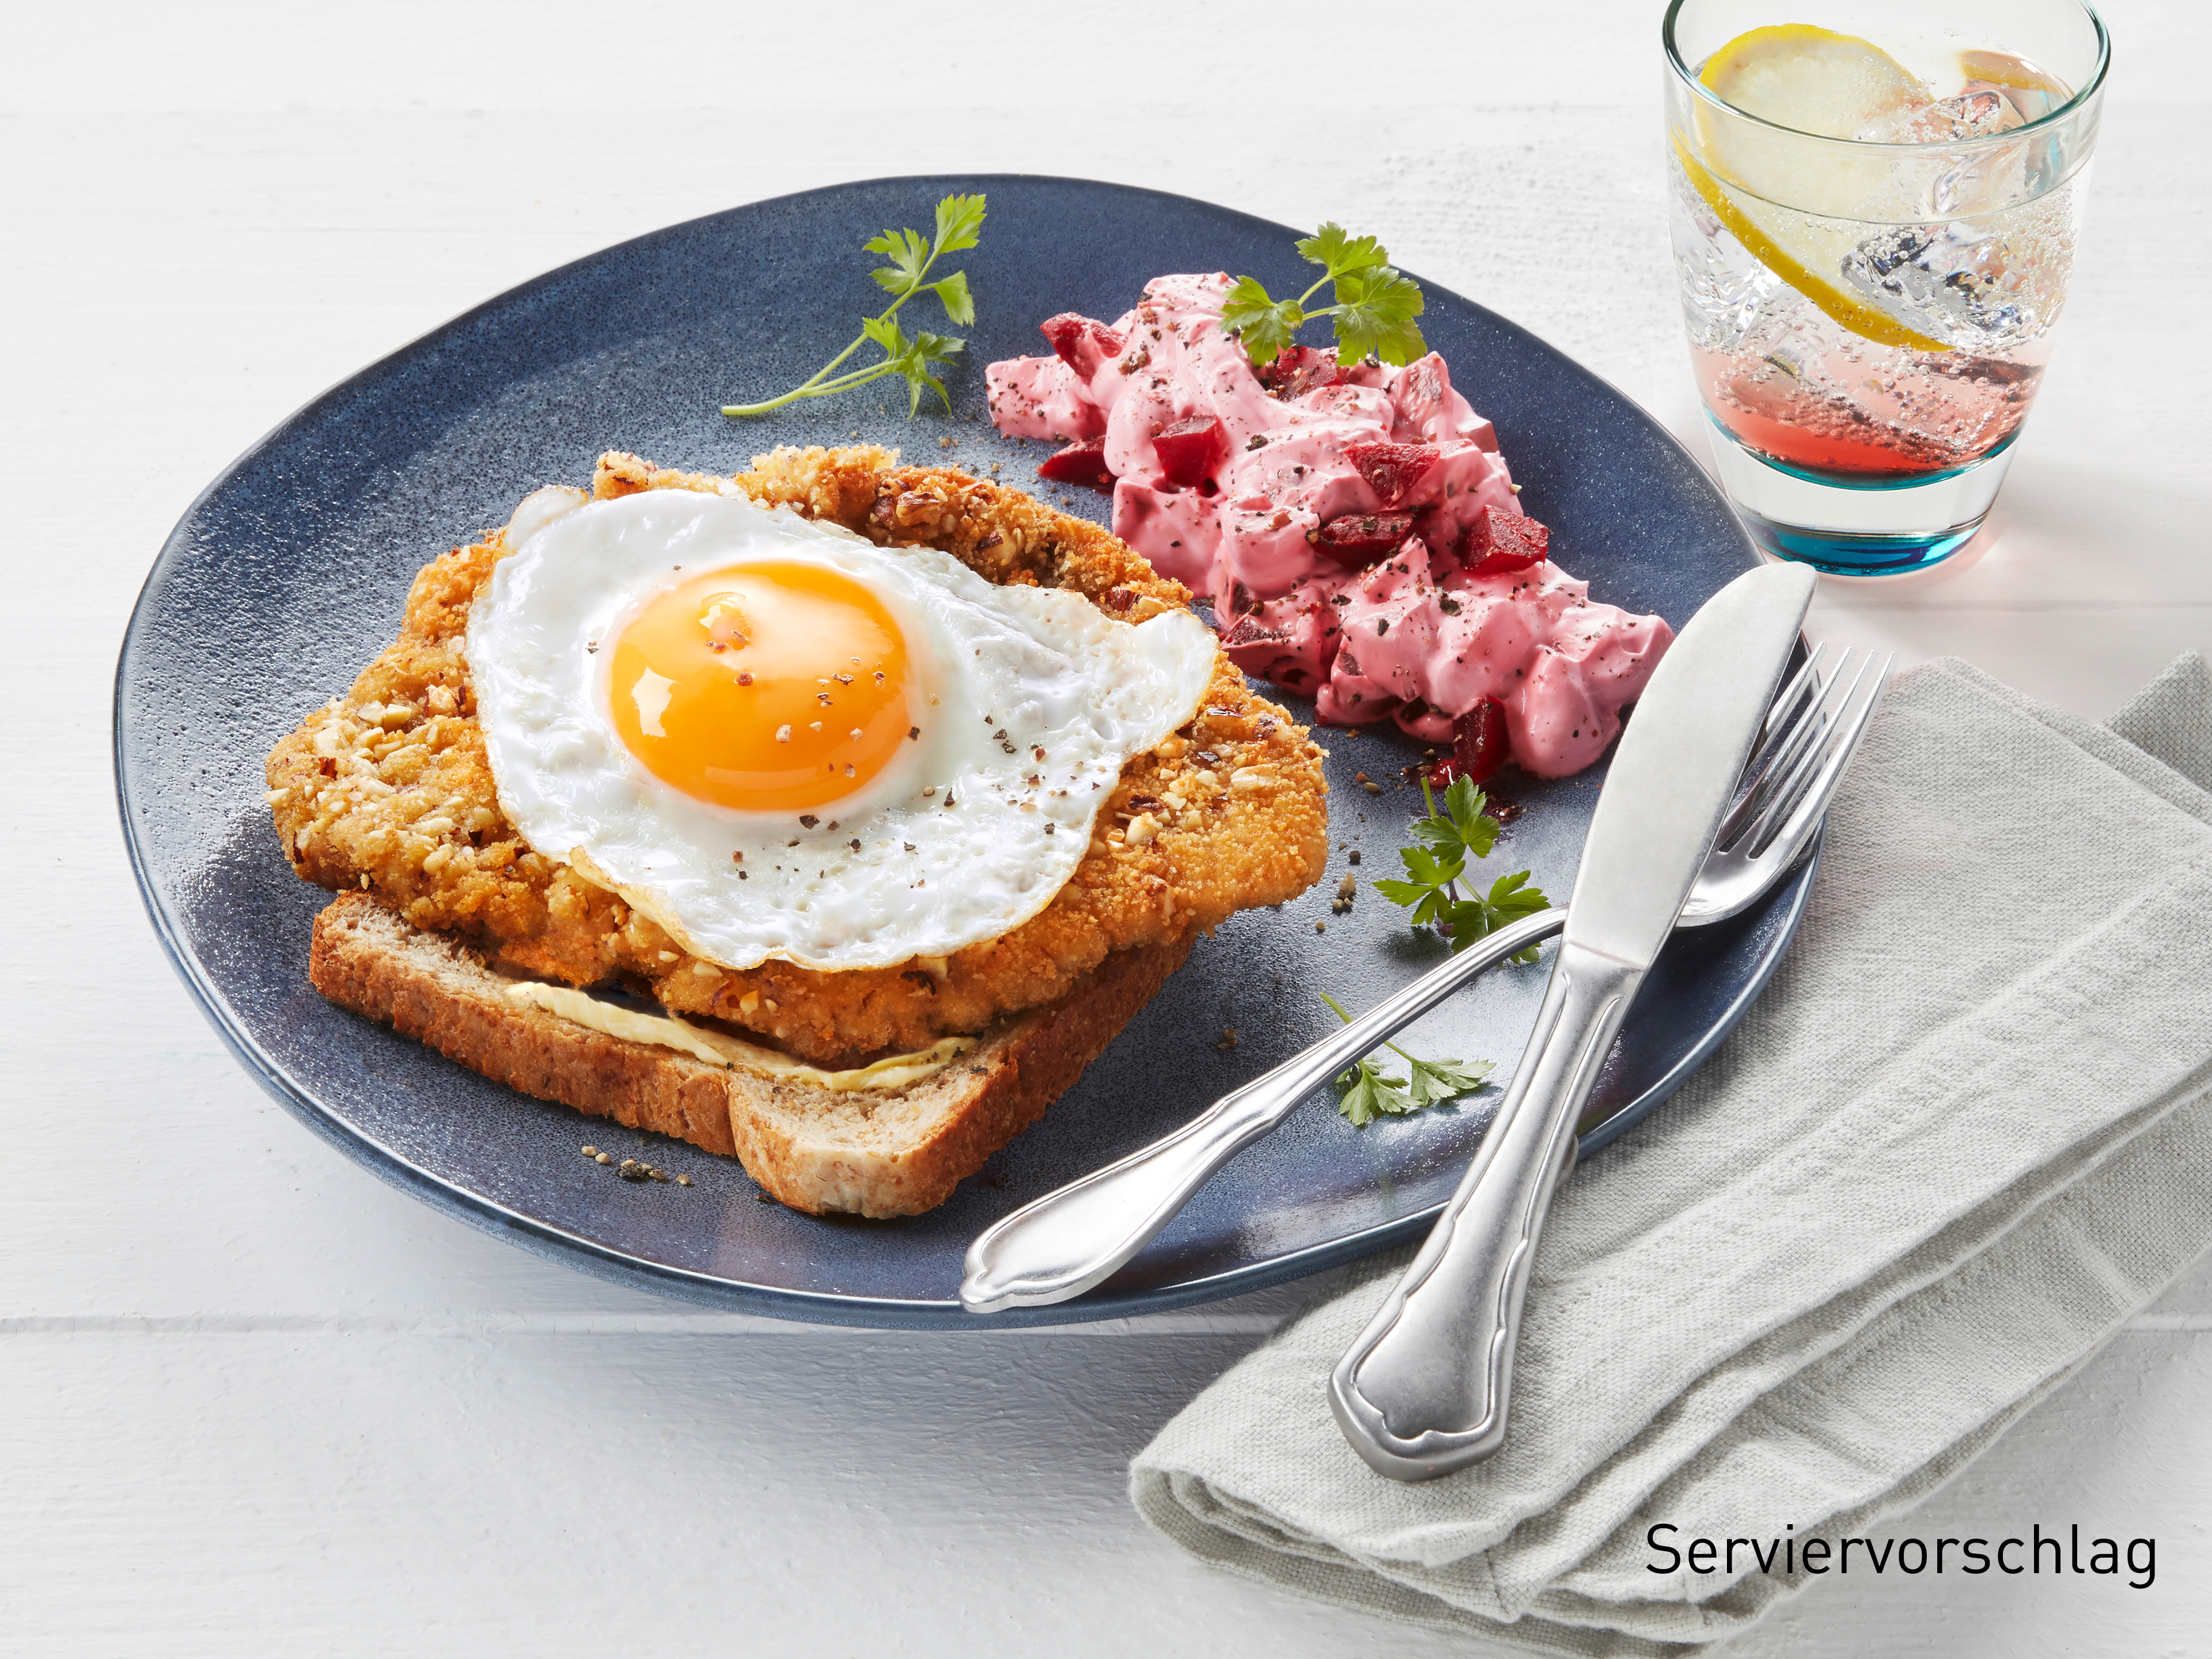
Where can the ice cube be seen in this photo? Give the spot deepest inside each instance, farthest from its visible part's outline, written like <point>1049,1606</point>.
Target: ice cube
<point>1726,291</point>
<point>1954,281</point>
<point>1973,114</point>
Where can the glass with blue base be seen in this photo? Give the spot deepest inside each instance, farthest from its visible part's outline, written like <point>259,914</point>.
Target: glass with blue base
<point>1875,206</point>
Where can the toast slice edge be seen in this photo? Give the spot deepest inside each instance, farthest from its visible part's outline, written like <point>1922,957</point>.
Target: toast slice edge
<point>812,1148</point>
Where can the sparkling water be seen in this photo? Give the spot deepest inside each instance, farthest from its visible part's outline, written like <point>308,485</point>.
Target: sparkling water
<point>1791,382</point>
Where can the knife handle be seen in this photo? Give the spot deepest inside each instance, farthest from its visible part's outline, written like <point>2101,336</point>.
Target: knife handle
<point>1424,1390</point>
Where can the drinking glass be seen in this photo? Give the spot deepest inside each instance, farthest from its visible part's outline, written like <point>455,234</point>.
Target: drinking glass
<point>1870,317</point>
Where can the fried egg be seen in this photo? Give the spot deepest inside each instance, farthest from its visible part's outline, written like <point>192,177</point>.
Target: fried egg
<point>779,740</point>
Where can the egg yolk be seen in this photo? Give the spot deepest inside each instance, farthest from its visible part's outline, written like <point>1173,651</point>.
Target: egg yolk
<point>769,686</point>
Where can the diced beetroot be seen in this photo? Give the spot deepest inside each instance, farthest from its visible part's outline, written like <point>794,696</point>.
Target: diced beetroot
<point>1392,470</point>
<point>1497,542</point>
<point>1301,369</point>
<point>1479,746</point>
<point>1067,332</point>
<point>1248,630</point>
<point>1190,449</point>
<point>1359,539</point>
<point>1081,463</point>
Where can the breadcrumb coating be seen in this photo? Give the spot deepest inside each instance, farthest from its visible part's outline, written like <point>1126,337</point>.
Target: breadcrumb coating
<point>389,788</point>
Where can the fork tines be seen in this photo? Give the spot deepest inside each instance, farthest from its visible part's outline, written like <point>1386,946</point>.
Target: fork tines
<point>1811,731</point>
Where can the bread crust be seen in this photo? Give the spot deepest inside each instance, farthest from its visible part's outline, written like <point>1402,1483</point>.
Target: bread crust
<point>868,1152</point>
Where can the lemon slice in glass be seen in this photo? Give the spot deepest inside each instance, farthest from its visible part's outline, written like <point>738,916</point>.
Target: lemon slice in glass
<point>1812,80</point>
<point>1770,185</point>
<point>2035,91</point>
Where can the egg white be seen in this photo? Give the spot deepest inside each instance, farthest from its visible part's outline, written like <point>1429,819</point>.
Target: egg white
<point>950,845</point>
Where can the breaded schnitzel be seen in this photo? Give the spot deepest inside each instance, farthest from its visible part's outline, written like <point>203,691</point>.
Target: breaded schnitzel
<point>389,789</point>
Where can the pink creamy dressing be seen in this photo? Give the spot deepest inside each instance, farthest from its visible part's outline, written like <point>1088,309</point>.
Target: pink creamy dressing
<point>1418,638</point>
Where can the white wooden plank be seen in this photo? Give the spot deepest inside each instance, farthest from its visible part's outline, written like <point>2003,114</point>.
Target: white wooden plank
<point>350,1493</point>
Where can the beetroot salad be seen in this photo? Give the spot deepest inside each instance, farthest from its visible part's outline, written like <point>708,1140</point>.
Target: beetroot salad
<point>1355,528</point>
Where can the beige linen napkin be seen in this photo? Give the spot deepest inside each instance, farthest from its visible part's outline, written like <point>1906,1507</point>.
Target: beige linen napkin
<point>1965,1133</point>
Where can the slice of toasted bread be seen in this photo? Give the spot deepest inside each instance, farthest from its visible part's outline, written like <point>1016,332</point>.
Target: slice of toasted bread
<point>876,1152</point>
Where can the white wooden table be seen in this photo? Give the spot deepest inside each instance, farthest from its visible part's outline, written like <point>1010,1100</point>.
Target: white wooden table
<point>252,1400</point>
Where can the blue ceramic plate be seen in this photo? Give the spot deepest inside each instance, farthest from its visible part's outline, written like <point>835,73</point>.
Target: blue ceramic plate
<point>289,574</point>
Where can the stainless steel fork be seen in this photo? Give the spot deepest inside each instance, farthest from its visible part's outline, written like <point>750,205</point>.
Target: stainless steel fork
<point>1061,1245</point>
<point>1811,735</point>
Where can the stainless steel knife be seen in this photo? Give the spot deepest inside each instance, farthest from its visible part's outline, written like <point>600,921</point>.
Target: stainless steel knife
<point>1424,1391</point>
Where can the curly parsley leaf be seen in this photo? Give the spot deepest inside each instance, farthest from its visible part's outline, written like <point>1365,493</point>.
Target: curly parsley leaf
<point>1447,838</point>
<point>959,223</point>
<point>1442,1080</point>
<point>913,358</point>
<point>1340,253</point>
<point>1375,312</point>
<point>1366,1092</point>
<point>1403,892</point>
<point>1427,869</point>
<point>908,255</point>
<point>1374,309</point>
<point>1461,827</point>
<point>1511,896</point>
<point>953,293</point>
<point>912,256</point>
<point>1266,326</point>
<point>1510,899</point>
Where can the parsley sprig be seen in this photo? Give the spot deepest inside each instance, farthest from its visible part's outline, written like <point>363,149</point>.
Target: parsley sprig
<point>1374,311</point>
<point>1448,839</point>
<point>1369,1092</point>
<point>959,223</point>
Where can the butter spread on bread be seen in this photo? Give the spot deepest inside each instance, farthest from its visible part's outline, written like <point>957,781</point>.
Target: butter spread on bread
<point>717,1049</point>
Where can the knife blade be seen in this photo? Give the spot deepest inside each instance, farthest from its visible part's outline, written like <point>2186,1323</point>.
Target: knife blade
<point>1424,1390</point>
<point>1676,766</point>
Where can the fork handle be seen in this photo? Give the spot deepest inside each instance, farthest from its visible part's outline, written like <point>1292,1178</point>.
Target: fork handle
<point>1062,1244</point>
<point>1424,1390</point>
